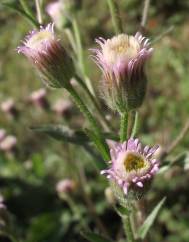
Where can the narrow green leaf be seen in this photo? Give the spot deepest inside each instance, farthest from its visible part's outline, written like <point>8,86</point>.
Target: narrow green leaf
<point>64,133</point>
<point>14,6</point>
<point>92,237</point>
<point>98,142</point>
<point>122,211</point>
<point>61,132</point>
<point>26,8</point>
<point>77,137</point>
<point>143,230</point>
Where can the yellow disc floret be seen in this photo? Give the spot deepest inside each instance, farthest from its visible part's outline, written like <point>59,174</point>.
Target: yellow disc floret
<point>133,162</point>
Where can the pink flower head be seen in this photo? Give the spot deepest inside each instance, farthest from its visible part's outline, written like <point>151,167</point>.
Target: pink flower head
<point>8,105</point>
<point>55,10</point>
<point>65,186</point>
<point>131,164</point>
<point>45,51</point>
<point>38,98</point>
<point>122,59</point>
<point>62,107</point>
<point>8,143</point>
<point>2,134</point>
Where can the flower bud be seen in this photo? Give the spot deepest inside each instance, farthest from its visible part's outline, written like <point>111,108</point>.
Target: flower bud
<point>8,107</point>
<point>50,58</point>
<point>62,107</point>
<point>122,59</point>
<point>61,12</point>
<point>8,144</point>
<point>56,11</point>
<point>38,98</point>
<point>65,186</point>
<point>2,134</point>
<point>132,168</point>
<point>110,196</point>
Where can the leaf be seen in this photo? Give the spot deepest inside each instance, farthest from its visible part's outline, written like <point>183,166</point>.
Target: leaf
<point>122,211</point>
<point>143,230</point>
<point>14,6</point>
<point>92,237</point>
<point>102,148</point>
<point>61,132</point>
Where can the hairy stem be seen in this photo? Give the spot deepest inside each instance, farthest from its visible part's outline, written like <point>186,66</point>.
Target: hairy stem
<point>145,14</point>
<point>100,114</point>
<point>39,13</point>
<point>80,54</point>
<point>134,125</point>
<point>116,20</point>
<point>123,126</point>
<point>96,128</point>
<point>128,228</point>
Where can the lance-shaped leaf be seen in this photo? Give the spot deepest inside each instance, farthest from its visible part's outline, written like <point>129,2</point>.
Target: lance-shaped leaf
<point>102,148</point>
<point>64,133</point>
<point>92,237</point>
<point>14,6</point>
<point>143,230</point>
<point>61,132</point>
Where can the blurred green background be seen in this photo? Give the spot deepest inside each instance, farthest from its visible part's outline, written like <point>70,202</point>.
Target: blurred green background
<point>29,172</point>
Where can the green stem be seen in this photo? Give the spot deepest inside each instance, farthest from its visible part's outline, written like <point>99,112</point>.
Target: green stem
<point>123,126</point>
<point>71,39</point>
<point>128,228</point>
<point>39,12</point>
<point>134,125</point>
<point>80,54</point>
<point>101,116</point>
<point>116,20</point>
<point>96,128</point>
<point>72,205</point>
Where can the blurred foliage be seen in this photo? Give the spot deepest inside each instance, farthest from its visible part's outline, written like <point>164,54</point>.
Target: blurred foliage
<point>28,177</point>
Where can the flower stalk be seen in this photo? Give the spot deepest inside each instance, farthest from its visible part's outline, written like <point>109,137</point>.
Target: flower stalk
<point>134,124</point>
<point>39,12</point>
<point>97,129</point>
<point>128,228</point>
<point>81,54</point>
<point>102,118</point>
<point>116,20</point>
<point>123,126</point>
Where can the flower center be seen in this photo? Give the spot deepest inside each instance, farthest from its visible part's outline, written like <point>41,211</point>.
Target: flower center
<point>133,162</point>
<point>39,38</point>
<point>121,47</point>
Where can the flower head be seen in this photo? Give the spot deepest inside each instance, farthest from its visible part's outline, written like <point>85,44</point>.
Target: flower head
<point>60,12</point>
<point>8,143</point>
<point>132,166</point>
<point>2,134</point>
<point>62,107</point>
<point>65,186</point>
<point>56,11</point>
<point>122,59</point>
<point>8,106</point>
<point>45,51</point>
<point>38,98</point>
